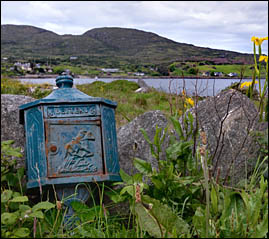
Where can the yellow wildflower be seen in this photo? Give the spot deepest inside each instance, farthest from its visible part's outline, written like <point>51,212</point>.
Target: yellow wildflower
<point>263,58</point>
<point>247,84</point>
<point>258,41</point>
<point>190,101</point>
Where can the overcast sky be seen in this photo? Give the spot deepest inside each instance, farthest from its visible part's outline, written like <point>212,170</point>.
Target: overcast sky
<point>227,25</point>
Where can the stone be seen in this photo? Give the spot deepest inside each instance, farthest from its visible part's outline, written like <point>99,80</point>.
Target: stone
<point>10,127</point>
<point>144,88</point>
<point>131,141</point>
<point>228,120</point>
<point>131,144</point>
<point>142,83</point>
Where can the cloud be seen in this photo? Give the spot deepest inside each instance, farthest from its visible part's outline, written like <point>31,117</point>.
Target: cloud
<point>225,25</point>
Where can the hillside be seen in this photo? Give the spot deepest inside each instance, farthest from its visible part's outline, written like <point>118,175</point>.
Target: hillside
<point>106,45</point>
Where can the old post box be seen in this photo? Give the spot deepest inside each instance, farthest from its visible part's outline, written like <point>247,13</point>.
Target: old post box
<point>70,138</point>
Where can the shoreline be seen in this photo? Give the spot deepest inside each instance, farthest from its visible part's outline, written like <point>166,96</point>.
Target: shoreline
<point>126,77</point>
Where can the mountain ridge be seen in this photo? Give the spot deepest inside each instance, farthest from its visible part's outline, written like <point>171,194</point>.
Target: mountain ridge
<point>107,44</point>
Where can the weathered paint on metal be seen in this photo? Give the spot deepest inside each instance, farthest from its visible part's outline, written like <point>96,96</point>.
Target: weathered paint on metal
<point>70,138</point>
<point>73,179</point>
<point>110,140</point>
<point>79,148</point>
<point>35,148</point>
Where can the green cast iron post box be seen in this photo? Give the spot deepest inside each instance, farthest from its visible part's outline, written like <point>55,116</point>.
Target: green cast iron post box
<point>70,138</point>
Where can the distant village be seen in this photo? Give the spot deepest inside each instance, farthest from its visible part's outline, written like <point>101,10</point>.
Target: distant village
<point>219,74</point>
<point>37,68</point>
<point>29,68</point>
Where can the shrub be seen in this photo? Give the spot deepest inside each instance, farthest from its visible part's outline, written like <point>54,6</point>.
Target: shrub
<point>12,86</point>
<point>17,216</point>
<point>193,71</point>
<point>141,100</point>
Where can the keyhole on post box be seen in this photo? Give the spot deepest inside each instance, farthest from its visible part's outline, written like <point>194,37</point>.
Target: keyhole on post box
<point>53,148</point>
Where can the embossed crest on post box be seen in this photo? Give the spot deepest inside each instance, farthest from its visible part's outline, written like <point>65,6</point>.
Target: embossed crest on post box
<point>70,137</point>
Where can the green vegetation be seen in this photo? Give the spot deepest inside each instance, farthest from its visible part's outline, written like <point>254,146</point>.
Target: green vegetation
<point>180,199</point>
<point>173,205</point>
<point>197,69</point>
<point>131,104</point>
<point>12,86</point>
<point>129,50</point>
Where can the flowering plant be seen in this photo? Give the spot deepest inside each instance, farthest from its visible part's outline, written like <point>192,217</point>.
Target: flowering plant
<point>188,100</point>
<point>258,42</point>
<point>247,84</point>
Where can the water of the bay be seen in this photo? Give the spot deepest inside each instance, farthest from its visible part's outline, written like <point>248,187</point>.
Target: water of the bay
<point>203,87</point>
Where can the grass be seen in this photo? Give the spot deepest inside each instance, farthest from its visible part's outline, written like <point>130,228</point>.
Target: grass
<point>225,69</point>
<point>130,104</point>
<point>78,70</point>
<point>13,86</point>
<point>167,182</point>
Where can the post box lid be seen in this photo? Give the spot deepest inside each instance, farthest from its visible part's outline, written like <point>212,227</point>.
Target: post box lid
<point>65,94</point>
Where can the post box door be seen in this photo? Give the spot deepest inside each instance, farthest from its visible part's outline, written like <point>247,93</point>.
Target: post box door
<point>73,147</point>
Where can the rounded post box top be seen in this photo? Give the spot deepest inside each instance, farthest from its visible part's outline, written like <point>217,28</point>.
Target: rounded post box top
<point>65,94</point>
<point>64,81</point>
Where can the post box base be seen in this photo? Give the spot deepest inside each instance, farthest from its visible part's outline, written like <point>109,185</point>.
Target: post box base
<point>68,194</point>
<point>73,180</point>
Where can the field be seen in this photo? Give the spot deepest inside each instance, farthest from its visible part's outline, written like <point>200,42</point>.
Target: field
<point>179,200</point>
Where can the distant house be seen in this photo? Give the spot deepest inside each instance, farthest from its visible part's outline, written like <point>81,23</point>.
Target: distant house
<point>218,73</point>
<point>207,73</point>
<point>26,66</point>
<point>110,70</point>
<point>139,74</point>
<point>67,72</point>
<point>17,64</point>
<point>232,74</point>
<point>49,70</point>
<point>73,57</point>
<point>23,66</point>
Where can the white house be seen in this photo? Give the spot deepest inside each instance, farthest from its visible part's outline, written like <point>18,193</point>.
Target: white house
<point>207,73</point>
<point>231,74</point>
<point>139,74</point>
<point>218,74</point>
<point>23,66</point>
<point>110,70</point>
